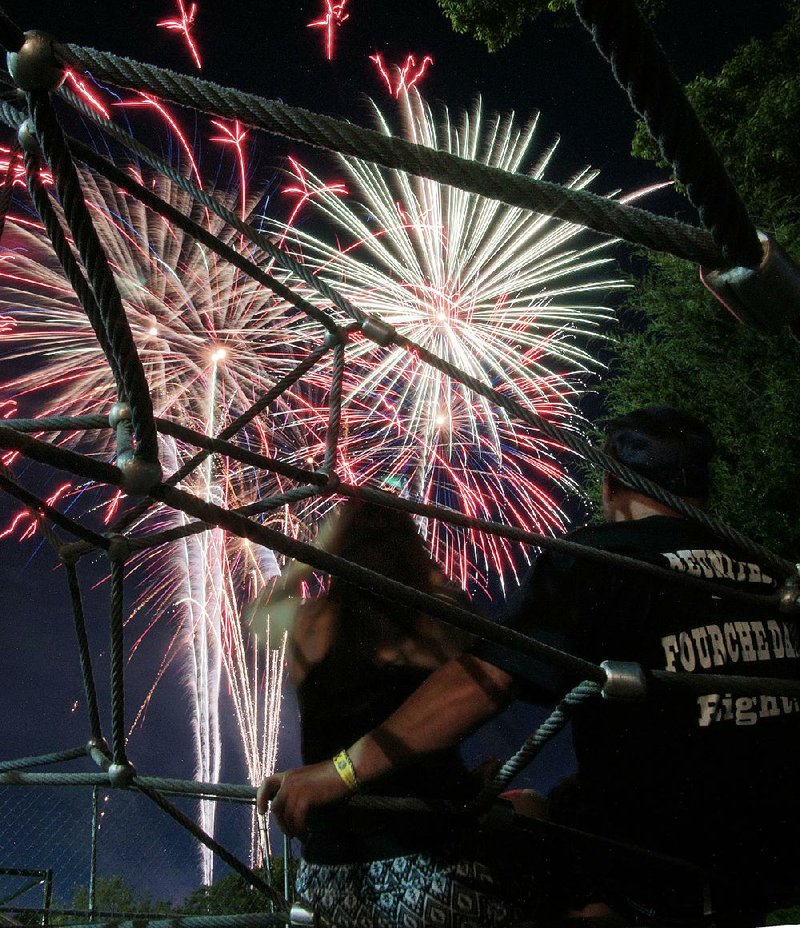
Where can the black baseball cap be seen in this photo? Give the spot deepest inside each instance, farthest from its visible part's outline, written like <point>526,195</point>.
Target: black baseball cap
<point>666,445</point>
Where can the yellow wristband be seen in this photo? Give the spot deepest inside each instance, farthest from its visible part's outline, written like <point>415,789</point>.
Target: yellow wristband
<point>346,770</point>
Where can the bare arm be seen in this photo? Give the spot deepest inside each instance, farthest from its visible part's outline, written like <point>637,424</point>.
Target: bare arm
<point>449,705</point>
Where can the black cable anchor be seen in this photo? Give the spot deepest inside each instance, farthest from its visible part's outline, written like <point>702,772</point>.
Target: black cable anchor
<point>767,296</point>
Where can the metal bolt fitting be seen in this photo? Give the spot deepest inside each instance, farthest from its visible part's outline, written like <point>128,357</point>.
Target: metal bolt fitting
<point>28,138</point>
<point>138,476</point>
<point>35,66</point>
<point>119,412</point>
<point>624,680</point>
<point>120,775</point>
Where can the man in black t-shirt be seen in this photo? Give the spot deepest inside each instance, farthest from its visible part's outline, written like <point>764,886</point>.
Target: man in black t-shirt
<point>710,778</point>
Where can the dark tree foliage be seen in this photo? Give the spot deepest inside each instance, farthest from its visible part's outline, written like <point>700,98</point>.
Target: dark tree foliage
<point>497,22</point>
<point>678,345</point>
<point>231,894</point>
<point>113,894</point>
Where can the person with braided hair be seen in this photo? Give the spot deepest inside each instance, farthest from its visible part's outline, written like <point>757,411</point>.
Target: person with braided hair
<point>707,777</point>
<point>353,658</point>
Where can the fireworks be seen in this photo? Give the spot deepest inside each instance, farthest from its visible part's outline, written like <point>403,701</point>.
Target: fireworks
<point>211,341</point>
<point>406,77</point>
<point>506,296</point>
<point>184,24</point>
<point>333,16</point>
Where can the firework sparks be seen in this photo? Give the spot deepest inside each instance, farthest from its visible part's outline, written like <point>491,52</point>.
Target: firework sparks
<point>505,295</point>
<point>211,340</point>
<point>304,193</point>
<point>184,24</point>
<point>406,76</point>
<point>333,16</point>
<point>148,100</point>
<point>83,90</point>
<point>235,137</point>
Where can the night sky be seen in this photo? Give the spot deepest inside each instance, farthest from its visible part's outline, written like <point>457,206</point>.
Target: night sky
<point>267,48</point>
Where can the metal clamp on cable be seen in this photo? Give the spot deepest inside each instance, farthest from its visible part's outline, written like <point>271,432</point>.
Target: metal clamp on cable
<point>138,476</point>
<point>378,331</point>
<point>300,915</point>
<point>765,297</point>
<point>119,418</point>
<point>624,680</point>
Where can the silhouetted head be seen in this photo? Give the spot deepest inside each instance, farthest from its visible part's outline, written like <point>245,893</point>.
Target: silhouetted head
<point>381,539</point>
<point>666,445</point>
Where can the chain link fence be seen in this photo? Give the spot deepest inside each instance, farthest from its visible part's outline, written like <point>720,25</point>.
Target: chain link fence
<point>69,855</point>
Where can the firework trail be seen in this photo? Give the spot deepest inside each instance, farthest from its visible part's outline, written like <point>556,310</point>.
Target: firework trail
<point>184,24</point>
<point>211,340</point>
<point>508,296</point>
<point>334,14</point>
<point>406,77</point>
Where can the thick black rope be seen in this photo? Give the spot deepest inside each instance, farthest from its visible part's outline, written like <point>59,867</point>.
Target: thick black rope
<point>61,459</point>
<point>7,188</point>
<point>503,818</point>
<point>56,757</point>
<point>117,662</point>
<point>627,42</point>
<point>101,280</point>
<point>531,747</point>
<point>560,545</point>
<point>66,259</point>
<point>84,651</point>
<point>233,792</point>
<point>58,424</point>
<point>638,226</point>
<point>212,844</point>
<point>153,540</point>
<point>368,579</point>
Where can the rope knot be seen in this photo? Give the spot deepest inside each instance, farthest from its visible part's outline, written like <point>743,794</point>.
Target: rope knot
<point>119,549</point>
<point>35,66</point>
<point>69,554</point>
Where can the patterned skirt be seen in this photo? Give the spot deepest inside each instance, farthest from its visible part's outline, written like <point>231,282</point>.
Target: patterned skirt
<point>416,891</point>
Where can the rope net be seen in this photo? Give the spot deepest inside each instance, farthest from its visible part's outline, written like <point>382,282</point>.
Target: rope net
<point>161,468</point>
